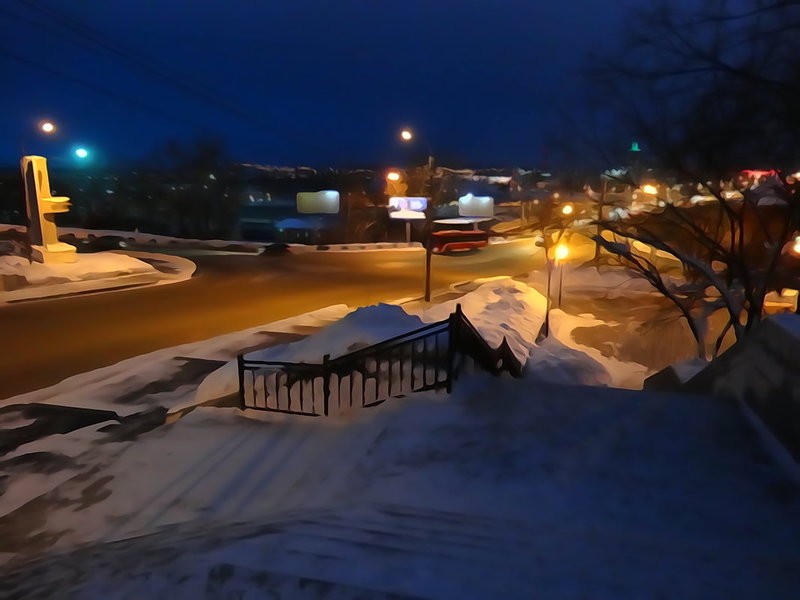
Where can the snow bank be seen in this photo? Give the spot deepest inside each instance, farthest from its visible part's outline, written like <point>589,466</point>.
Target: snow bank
<point>88,266</point>
<point>362,327</point>
<point>628,375</point>
<point>499,308</point>
<point>555,362</point>
<point>100,389</point>
<point>609,282</point>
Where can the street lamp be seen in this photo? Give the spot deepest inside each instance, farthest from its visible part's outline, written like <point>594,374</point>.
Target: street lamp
<point>567,210</point>
<point>81,153</point>
<point>393,176</point>
<point>47,127</point>
<point>561,253</point>
<point>407,136</point>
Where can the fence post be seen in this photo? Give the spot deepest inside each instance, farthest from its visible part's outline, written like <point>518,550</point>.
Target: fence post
<point>452,342</point>
<point>240,369</point>
<point>326,384</point>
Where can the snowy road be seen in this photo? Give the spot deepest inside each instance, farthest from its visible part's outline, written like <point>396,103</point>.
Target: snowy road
<point>47,341</point>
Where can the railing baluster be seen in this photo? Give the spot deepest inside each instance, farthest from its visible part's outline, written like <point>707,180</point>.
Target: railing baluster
<point>389,356</point>
<point>401,356</point>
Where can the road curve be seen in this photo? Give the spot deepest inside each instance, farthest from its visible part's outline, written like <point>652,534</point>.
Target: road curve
<point>46,341</point>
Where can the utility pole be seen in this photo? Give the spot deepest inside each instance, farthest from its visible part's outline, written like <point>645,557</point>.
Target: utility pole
<point>429,213</point>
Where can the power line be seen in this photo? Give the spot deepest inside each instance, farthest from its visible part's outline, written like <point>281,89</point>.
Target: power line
<point>89,85</point>
<point>89,37</point>
<point>136,61</point>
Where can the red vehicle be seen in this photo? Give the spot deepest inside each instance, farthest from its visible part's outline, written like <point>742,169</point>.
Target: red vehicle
<point>451,240</point>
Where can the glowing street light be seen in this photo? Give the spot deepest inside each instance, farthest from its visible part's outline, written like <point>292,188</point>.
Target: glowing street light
<point>650,189</point>
<point>407,136</point>
<point>47,127</point>
<point>393,176</point>
<point>796,245</point>
<point>567,210</point>
<point>561,252</point>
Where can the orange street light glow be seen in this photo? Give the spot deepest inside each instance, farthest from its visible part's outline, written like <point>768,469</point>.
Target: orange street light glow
<point>650,189</point>
<point>393,176</point>
<point>561,252</point>
<point>47,127</point>
<point>406,135</point>
<point>567,209</point>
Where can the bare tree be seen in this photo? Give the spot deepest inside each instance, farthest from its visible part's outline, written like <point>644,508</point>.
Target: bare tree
<point>709,92</point>
<point>730,252</point>
<point>712,88</point>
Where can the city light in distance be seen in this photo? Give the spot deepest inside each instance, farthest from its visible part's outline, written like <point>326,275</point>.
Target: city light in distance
<point>47,127</point>
<point>406,135</point>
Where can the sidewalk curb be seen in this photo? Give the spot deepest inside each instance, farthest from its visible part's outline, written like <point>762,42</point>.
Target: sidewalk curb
<point>77,288</point>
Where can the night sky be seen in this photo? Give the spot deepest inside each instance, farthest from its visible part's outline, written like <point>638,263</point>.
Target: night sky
<point>317,82</point>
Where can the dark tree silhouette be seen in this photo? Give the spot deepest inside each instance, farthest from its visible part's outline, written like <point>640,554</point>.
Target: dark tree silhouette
<point>710,92</point>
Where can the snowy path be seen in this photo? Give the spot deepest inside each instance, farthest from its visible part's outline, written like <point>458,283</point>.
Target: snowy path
<point>569,491</point>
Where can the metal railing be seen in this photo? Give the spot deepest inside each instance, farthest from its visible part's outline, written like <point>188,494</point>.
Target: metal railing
<point>423,359</point>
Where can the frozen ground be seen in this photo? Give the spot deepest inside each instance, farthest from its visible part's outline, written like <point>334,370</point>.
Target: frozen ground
<point>500,490</point>
<point>100,271</point>
<point>506,488</point>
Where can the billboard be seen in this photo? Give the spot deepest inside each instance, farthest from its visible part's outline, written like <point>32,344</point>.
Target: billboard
<point>322,202</point>
<point>476,206</point>
<point>417,204</point>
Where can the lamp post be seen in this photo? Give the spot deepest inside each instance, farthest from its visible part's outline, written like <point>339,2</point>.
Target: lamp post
<point>560,253</point>
<point>408,136</point>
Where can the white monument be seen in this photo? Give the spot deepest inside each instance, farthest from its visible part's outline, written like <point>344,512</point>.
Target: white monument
<point>42,207</point>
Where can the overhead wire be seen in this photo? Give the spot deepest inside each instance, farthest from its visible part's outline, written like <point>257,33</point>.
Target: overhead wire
<point>139,62</point>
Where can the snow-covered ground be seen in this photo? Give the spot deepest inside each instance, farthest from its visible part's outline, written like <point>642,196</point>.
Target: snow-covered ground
<point>500,308</point>
<point>87,267</point>
<point>500,490</point>
<point>505,488</point>
<point>101,271</point>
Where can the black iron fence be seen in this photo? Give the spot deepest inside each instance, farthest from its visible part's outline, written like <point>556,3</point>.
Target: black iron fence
<point>423,359</point>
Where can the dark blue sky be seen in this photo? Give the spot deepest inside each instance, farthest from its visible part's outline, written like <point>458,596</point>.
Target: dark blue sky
<point>317,82</point>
